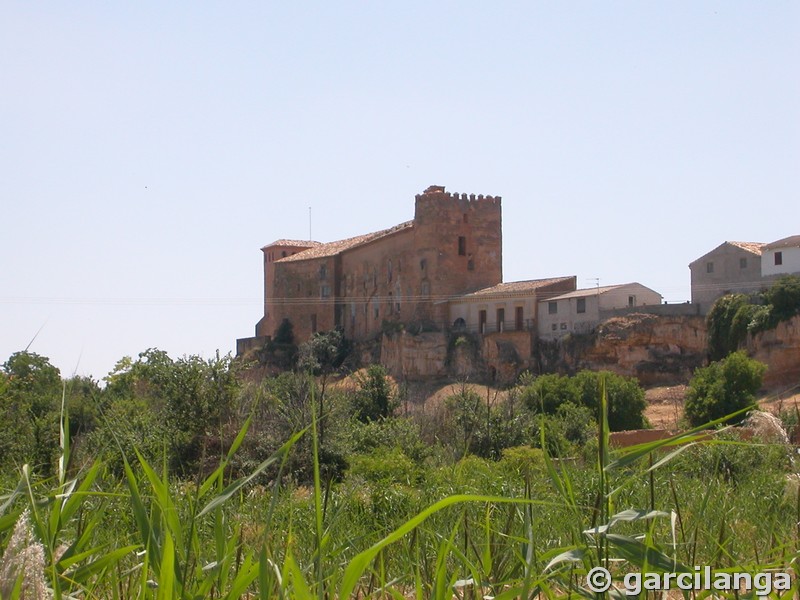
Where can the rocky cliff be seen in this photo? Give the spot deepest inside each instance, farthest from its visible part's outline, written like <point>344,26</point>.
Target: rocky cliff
<point>655,349</point>
<point>780,349</point>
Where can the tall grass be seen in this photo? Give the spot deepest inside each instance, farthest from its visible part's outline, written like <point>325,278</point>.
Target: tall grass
<point>472,531</point>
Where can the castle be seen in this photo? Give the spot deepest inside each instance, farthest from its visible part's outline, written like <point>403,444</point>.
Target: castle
<point>405,274</point>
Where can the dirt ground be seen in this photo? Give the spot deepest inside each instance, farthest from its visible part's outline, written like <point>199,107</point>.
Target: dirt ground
<point>665,404</point>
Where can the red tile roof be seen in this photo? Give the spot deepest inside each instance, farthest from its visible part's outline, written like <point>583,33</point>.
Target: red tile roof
<point>514,287</point>
<point>788,242</point>
<point>754,247</point>
<point>293,244</point>
<point>333,248</point>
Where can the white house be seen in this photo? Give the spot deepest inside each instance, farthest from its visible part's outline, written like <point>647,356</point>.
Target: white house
<point>580,311</point>
<point>781,257</point>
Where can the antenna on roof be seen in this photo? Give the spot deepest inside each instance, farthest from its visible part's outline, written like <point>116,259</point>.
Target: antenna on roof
<point>309,224</point>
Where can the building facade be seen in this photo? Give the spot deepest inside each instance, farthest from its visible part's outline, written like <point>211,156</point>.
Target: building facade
<point>730,268</point>
<point>582,310</point>
<point>505,307</point>
<point>781,257</point>
<point>404,274</point>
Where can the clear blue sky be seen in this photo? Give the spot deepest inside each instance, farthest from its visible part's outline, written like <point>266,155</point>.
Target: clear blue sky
<point>149,149</point>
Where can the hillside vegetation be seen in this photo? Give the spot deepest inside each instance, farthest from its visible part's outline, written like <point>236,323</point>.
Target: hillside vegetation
<point>185,478</point>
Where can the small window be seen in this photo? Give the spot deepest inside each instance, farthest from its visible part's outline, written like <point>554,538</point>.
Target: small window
<point>423,264</point>
<point>466,218</point>
<point>470,265</point>
<point>313,323</point>
<point>554,327</point>
<point>779,258</point>
<point>501,318</point>
<point>389,271</point>
<point>462,245</point>
<point>743,262</point>
<point>426,288</point>
<point>709,267</point>
<point>631,300</point>
<point>552,308</point>
<point>519,320</point>
<point>581,305</point>
<point>283,254</point>
<point>323,271</point>
<point>325,291</point>
<point>482,321</point>
<point>563,326</point>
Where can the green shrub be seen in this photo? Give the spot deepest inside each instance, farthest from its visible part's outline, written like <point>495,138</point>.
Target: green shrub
<point>784,297</point>
<point>624,395</point>
<point>388,433</point>
<point>385,466</point>
<point>547,392</point>
<point>723,336</point>
<point>374,399</point>
<point>626,403</point>
<point>722,388</point>
<point>523,460</point>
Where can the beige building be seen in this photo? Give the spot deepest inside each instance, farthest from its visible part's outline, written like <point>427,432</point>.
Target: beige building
<point>581,311</point>
<point>730,268</point>
<point>508,306</point>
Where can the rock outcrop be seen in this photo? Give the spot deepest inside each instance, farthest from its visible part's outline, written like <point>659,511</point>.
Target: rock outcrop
<point>414,356</point>
<point>657,350</point>
<point>780,349</point>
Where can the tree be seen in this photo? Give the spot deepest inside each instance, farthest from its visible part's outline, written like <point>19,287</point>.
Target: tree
<point>374,399</point>
<point>189,396</point>
<point>722,388</point>
<point>30,405</point>
<point>723,337</point>
<point>322,355</point>
<point>784,297</point>
<point>625,398</point>
<point>547,392</point>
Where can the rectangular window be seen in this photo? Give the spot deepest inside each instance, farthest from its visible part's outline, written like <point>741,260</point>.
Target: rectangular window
<point>462,245</point>
<point>563,325</point>
<point>709,267</point>
<point>779,258</point>
<point>552,308</point>
<point>554,327</point>
<point>501,318</point>
<point>325,291</point>
<point>631,300</point>
<point>313,323</point>
<point>482,321</point>
<point>519,321</point>
<point>743,262</point>
<point>581,305</point>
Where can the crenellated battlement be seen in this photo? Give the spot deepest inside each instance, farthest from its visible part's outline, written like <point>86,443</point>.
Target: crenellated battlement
<point>438,191</point>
